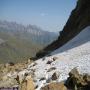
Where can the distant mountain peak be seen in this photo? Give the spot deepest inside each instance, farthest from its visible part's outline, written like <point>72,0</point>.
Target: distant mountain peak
<point>22,41</point>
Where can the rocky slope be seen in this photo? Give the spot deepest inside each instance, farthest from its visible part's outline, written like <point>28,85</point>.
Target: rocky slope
<point>62,62</point>
<point>78,20</point>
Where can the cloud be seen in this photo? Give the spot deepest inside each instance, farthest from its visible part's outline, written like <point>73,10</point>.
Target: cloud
<point>43,14</point>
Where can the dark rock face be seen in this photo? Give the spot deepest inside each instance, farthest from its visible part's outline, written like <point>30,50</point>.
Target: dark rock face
<point>77,81</point>
<point>54,76</point>
<point>78,20</point>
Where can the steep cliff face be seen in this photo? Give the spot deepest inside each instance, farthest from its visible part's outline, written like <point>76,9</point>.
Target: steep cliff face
<point>78,20</point>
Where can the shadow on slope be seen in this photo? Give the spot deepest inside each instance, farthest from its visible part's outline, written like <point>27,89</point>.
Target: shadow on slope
<point>78,20</point>
<point>81,38</point>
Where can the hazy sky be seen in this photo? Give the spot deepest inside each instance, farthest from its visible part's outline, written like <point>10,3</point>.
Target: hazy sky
<point>50,15</point>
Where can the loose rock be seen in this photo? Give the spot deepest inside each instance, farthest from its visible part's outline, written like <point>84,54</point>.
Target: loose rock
<point>54,86</point>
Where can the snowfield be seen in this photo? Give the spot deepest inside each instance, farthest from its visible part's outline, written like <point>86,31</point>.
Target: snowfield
<point>76,53</point>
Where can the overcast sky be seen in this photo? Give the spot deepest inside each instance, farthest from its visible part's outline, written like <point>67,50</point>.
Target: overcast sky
<point>50,15</point>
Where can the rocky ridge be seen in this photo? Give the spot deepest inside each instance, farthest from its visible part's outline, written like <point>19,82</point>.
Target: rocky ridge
<point>78,20</point>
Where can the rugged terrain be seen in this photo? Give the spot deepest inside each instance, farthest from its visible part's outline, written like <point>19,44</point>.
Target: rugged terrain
<point>66,67</point>
<point>55,68</point>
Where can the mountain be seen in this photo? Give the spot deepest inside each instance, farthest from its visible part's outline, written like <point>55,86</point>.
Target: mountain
<point>31,32</point>
<point>19,42</point>
<point>78,20</point>
<point>71,50</point>
<point>55,68</point>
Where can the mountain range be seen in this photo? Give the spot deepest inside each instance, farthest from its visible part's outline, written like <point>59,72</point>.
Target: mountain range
<point>19,42</point>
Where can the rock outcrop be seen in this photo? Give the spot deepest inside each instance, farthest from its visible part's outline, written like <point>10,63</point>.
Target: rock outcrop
<point>54,86</point>
<point>77,81</point>
<point>78,20</point>
<point>10,69</point>
<point>55,76</point>
<point>27,84</point>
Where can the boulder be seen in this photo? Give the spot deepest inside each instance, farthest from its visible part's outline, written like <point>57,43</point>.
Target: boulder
<point>55,58</point>
<point>74,72</point>
<point>77,81</point>
<point>49,62</point>
<point>43,78</point>
<point>51,69</point>
<point>19,79</point>
<point>54,86</point>
<point>27,84</point>
<point>54,76</point>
